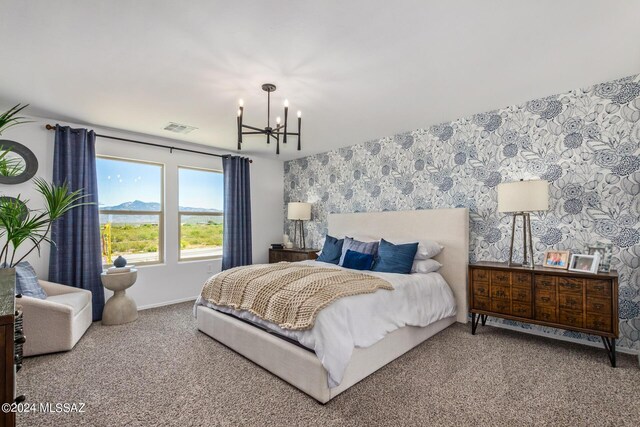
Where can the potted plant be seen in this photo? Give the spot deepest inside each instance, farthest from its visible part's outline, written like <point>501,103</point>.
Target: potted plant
<point>19,224</point>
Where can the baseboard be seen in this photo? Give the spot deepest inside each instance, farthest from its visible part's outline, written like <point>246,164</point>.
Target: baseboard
<point>162,304</point>
<point>562,338</point>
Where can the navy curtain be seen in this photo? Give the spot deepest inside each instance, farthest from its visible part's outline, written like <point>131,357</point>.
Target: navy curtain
<point>236,241</point>
<point>76,258</point>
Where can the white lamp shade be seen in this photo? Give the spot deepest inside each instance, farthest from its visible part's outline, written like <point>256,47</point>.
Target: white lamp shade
<point>299,211</point>
<point>523,196</point>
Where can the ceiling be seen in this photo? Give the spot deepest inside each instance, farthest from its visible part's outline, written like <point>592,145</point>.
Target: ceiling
<point>357,69</point>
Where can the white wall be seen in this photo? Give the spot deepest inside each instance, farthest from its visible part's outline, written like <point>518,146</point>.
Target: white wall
<point>171,281</point>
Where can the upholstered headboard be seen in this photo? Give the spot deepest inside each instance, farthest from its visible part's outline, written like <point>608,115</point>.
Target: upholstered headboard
<point>449,227</point>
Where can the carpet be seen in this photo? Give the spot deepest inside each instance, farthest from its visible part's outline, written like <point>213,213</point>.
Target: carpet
<point>161,371</point>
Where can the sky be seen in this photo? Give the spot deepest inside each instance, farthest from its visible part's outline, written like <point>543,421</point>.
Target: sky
<point>121,181</point>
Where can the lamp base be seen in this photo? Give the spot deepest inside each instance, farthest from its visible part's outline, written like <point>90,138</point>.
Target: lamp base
<point>526,236</point>
<point>298,240</point>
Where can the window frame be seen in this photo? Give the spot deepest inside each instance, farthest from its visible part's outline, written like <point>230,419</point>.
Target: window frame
<point>160,213</point>
<point>221,214</point>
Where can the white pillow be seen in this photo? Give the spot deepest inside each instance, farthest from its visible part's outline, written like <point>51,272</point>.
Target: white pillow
<point>425,266</point>
<point>427,249</point>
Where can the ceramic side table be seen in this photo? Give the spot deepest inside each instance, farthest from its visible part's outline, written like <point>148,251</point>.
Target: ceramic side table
<point>120,308</point>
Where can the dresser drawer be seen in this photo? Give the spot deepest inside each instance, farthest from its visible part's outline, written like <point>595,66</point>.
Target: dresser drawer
<point>501,306</point>
<point>598,322</point>
<point>297,256</point>
<point>569,285</point>
<point>546,282</point>
<point>481,303</point>
<point>500,278</point>
<point>571,318</point>
<point>569,301</point>
<point>481,289</point>
<point>521,294</point>
<point>599,288</point>
<point>275,257</point>
<point>521,279</point>
<point>546,314</point>
<point>500,292</point>
<point>521,310</point>
<point>480,275</point>
<point>599,305</point>
<point>546,298</point>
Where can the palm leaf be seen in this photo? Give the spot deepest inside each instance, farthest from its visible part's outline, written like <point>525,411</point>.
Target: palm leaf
<point>10,118</point>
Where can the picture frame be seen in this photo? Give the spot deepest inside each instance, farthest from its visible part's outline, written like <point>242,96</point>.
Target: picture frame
<point>605,250</point>
<point>585,263</point>
<point>556,259</point>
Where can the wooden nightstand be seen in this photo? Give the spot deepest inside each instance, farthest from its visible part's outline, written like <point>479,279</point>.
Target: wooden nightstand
<point>570,300</point>
<point>291,255</point>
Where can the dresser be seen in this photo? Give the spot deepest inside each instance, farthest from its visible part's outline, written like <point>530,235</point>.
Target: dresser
<point>574,301</point>
<point>7,350</point>
<point>291,255</point>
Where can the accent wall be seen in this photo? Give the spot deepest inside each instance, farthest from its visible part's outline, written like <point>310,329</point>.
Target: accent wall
<point>585,142</point>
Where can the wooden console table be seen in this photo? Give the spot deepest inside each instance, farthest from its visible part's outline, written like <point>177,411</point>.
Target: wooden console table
<point>570,300</point>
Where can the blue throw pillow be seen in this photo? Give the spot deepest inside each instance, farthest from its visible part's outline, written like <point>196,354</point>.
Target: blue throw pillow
<point>395,258</point>
<point>370,248</point>
<point>332,250</point>
<point>357,260</point>
<point>27,281</point>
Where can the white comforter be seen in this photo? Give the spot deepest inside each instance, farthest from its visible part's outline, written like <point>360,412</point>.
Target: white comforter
<point>363,320</point>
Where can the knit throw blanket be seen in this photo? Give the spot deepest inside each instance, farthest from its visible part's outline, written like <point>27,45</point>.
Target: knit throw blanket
<point>287,294</point>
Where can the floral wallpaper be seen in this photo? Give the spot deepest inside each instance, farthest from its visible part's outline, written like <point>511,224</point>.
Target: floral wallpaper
<point>585,142</point>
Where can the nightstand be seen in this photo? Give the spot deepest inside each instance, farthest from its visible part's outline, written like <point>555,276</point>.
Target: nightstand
<point>570,300</point>
<point>291,255</point>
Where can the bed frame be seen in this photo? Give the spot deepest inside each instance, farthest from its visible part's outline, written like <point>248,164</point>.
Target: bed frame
<point>301,368</point>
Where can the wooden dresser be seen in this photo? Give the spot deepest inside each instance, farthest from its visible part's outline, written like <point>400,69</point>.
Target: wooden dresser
<point>7,367</point>
<point>563,299</point>
<point>291,255</point>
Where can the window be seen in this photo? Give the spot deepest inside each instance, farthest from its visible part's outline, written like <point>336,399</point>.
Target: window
<point>200,213</point>
<point>131,210</point>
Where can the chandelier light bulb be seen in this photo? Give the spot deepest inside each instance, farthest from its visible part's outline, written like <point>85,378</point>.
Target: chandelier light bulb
<point>241,103</point>
<point>278,120</point>
<point>299,113</point>
<point>286,103</point>
<point>239,113</point>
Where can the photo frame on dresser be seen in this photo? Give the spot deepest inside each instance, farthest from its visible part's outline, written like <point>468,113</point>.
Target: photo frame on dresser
<point>556,259</point>
<point>605,250</point>
<point>585,263</point>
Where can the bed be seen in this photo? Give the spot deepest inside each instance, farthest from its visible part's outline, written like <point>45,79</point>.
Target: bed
<point>302,368</point>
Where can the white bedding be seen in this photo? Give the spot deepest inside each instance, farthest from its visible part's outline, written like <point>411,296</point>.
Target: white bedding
<point>362,320</point>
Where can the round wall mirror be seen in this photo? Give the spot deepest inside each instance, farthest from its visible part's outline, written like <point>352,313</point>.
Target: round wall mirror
<point>17,163</point>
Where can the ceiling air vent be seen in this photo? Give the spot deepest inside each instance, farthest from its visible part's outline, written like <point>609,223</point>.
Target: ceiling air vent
<point>179,128</point>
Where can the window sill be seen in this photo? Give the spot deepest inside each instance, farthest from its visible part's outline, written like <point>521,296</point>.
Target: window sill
<point>200,259</point>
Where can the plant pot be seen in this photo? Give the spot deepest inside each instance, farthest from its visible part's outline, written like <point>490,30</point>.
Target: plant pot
<point>7,281</point>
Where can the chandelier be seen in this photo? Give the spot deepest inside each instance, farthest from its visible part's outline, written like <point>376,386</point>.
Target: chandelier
<point>275,132</point>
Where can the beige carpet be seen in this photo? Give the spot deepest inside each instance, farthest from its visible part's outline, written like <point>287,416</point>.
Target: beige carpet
<point>160,370</point>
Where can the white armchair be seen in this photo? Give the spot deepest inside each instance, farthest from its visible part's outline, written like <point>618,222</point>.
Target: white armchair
<point>58,322</point>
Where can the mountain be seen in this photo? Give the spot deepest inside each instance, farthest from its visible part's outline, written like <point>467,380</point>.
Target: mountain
<point>138,205</point>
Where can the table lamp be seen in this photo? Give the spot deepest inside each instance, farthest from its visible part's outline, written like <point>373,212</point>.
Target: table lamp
<point>299,212</point>
<point>519,198</point>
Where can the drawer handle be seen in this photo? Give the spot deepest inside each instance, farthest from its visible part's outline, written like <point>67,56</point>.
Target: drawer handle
<point>598,306</point>
<point>599,288</point>
<point>545,299</point>
<point>598,323</point>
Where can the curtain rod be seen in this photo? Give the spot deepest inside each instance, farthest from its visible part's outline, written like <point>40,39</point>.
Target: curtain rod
<point>50,127</point>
